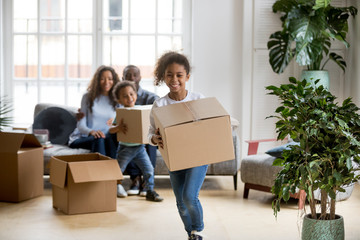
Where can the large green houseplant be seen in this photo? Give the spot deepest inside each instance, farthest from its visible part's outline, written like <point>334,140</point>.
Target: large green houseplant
<point>308,29</point>
<point>329,137</point>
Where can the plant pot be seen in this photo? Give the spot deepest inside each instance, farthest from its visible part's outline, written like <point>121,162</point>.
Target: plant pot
<point>323,229</point>
<point>312,76</point>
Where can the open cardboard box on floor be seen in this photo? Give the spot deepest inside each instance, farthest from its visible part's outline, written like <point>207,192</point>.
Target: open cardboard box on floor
<point>194,133</point>
<point>21,167</point>
<point>137,119</point>
<point>84,183</point>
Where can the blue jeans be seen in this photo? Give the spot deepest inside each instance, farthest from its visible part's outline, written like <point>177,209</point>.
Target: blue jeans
<point>134,170</point>
<point>105,146</point>
<point>138,155</point>
<point>186,185</point>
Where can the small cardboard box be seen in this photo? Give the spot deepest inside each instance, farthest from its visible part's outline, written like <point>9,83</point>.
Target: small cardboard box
<point>21,167</point>
<point>137,119</point>
<point>194,133</point>
<point>84,183</point>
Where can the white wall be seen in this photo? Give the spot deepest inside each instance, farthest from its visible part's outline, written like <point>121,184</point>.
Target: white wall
<point>217,54</point>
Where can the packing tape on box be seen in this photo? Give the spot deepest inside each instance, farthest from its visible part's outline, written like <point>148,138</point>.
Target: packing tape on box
<point>193,113</point>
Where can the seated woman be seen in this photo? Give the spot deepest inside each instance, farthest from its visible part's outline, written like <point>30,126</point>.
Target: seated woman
<point>98,106</point>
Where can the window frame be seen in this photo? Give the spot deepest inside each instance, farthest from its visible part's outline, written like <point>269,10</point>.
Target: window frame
<point>8,80</point>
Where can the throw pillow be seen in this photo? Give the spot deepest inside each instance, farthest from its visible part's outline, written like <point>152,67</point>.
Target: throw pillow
<point>277,151</point>
<point>58,121</point>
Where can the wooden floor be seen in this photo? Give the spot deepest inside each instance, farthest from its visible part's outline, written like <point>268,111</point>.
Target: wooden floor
<point>226,215</point>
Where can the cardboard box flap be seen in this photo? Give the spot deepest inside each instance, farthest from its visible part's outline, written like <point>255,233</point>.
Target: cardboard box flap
<point>30,141</point>
<point>58,172</point>
<point>178,113</point>
<point>93,171</point>
<point>82,157</point>
<point>11,142</point>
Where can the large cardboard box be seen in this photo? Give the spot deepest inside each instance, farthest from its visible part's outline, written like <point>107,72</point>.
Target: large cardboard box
<point>84,183</point>
<point>21,167</point>
<point>137,119</point>
<point>194,133</point>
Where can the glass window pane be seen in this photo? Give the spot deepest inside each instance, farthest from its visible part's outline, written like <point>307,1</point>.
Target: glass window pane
<point>75,92</point>
<point>52,92</point>
<point>178,11</point>
<point>142,14</point>
<point>80,56</point>
<point>142,50</point>
<point>25,15</point>
<point>115,52</point>
<point>116,17</point>
<point>169,26</point>
<point>80,25</point>
<point>142,54</point>
<point>52,56</point>
<point>165,9</point>
<point>25,56</point>
<point>80,21</point>
<point>25,99</point>
<point>52,15</point>
<point>167,43</point>
<point>169,16</point>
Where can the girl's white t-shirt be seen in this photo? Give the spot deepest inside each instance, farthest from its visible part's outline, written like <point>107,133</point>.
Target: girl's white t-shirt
<point>166,100</point>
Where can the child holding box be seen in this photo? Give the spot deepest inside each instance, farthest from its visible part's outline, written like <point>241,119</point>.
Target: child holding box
<point>174,70</point>
<point>125,93</point>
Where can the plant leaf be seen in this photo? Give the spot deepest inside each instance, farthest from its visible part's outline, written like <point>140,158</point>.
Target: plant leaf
<point>280,52</point>
<point>338,60</point>
<point>321,4</point>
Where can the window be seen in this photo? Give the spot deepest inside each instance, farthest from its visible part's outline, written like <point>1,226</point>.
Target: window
<point>58,44</point>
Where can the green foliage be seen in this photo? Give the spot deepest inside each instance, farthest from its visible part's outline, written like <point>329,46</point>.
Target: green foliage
<point>308,28</point>
<point>329,137</point>
<point>5,109</point>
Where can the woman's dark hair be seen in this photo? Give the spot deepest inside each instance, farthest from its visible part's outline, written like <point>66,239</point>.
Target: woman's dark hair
<point>164,61</point>
<point>94,89</point>
<point>121,85</point>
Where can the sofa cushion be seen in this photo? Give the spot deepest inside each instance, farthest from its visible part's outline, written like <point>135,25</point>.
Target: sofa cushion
<point>258,169</point>
<point>60,123</point>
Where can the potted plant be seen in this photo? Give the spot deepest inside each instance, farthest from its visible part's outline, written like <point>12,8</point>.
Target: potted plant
<point>5,109</point>
<point>308,29</point>
<point>328,150</point>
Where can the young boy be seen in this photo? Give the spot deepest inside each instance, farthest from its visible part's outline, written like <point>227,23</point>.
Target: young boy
<point>144,97</point>
<point>125,93</point>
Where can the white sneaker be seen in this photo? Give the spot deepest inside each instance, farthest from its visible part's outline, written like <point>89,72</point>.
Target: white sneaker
<point>195,235</point>
<point>143,193</point>
<point>135,187</point>
<point>121,191</point>
<point>132,192</point>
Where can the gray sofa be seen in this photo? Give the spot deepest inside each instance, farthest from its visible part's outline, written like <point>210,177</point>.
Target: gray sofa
<point>60,122</point>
